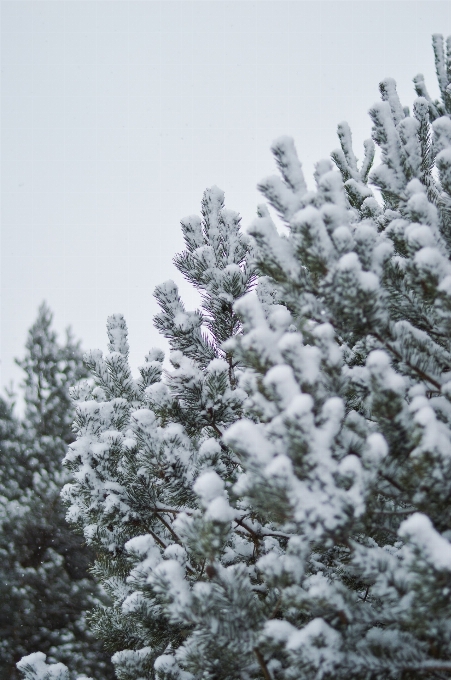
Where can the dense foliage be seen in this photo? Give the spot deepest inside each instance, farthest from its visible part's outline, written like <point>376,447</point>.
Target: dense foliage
<point>45,587</point>
<point>277,503</point>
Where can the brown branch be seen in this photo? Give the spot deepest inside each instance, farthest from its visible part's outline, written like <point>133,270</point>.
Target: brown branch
<point>366,594</point>
<point>160,542</point>
<point>261,534</point>
<point>276,608</point>
<point>232,379</point>
<point>168,527</point>
<point>430,667</point>
<point>248,528</point>
<point>392,482</point>
<point>216,429</point>
<point>393,512</point>
<point>276,534</point>
<point>173,511</point>
<point>157,538</point>
<point>218,432</point>
<point>342,616</point>
<point>187,511</point>
<point>262,664</point>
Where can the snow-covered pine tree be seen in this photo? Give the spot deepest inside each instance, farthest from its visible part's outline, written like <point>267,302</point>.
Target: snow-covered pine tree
<point>311,539</point>
<point>351,451</point>
<point>44,582</point>
<point>142,445</point>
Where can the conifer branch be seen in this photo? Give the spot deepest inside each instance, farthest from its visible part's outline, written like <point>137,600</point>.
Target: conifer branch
<point>424,376</point>
<point>262,664</point>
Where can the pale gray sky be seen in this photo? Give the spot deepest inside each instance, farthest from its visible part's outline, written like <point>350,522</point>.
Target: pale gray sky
<point>117,115</point>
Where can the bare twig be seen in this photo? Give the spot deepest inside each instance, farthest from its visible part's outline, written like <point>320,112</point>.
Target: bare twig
<point>394,512</point>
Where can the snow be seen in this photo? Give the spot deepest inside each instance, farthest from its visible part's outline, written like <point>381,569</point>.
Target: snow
<point>343,239</point>
<point>264,231</point>
<point>247,437</point>
<point>279,318</point>
<point>132,661</point>
<point>419,531</point>
<point>117,334</point>
<point>166,665</point>
<point>378,363</point>
<point>443,162</point>
<point>209,486</point>
<point>317,644</point>
<point>280,467</point>
<point>281,382</point>
<point>377,447</point>
<point>370,207</point>
<point>192,231</point>
<point>218,366</point>
<point>432,262</point>
<point>420,210</point>
<point>169,578</point>
<point>285,151</point>
<point>389,94</point>
<point>351,468</point>
<point>279,567</point>
<point>219,510</point>
<point>421,104</point>
<point>310,219</point>
<point>300,411</point>
<point>345,137</point>
<point>278,630</point>
<point>442,133</point>
<point>306,358</point>
<point>41,670</point>
<point>141,545</point>
<point>323,166</point>
<point>176,552</point>
<point>331,186</point>
<point>350,263</point>
<point>408,130</point>
<point>419,236</point>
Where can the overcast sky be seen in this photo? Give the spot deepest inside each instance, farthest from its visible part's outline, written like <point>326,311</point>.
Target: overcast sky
<point>117,115</point>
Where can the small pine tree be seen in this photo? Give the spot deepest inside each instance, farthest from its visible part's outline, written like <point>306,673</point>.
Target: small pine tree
<point>44,579</point>
<point>277,505</point>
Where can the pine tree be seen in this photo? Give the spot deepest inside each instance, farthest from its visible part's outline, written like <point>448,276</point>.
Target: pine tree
<point>277,504</point>
<point>142,443</point>
<point>352,441</point>
<point>45,584</point>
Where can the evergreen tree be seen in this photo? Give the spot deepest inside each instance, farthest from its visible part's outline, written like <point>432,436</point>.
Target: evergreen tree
<point>141,444</point>
<point>45,584</point>
<point>277,504</point>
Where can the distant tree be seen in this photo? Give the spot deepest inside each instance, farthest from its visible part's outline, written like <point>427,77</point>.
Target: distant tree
<point>45,587</point>
<point>277,504</point>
